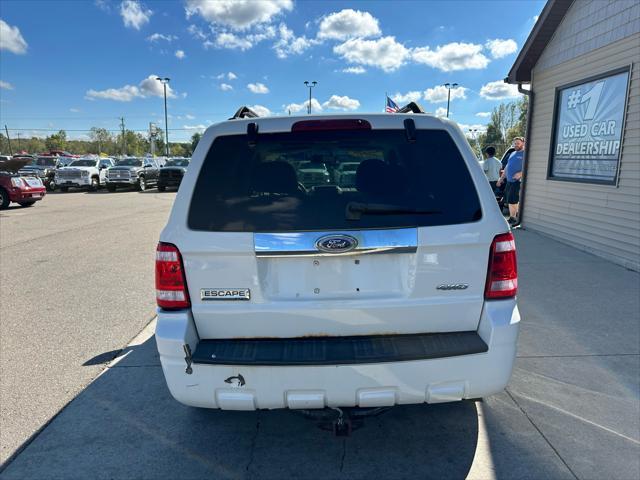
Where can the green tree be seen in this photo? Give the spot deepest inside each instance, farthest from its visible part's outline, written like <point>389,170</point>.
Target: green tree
<point>195,139</point>
<point>103,140</point>
<point>56,141</point>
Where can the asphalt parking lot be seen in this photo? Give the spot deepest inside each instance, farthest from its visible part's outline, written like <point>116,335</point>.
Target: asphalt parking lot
<point>77,286</point>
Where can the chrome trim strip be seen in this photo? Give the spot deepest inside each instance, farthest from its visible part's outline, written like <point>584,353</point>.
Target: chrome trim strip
<point>303,244</point>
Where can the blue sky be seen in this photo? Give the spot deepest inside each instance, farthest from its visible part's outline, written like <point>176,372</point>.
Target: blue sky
<point>77,64</point>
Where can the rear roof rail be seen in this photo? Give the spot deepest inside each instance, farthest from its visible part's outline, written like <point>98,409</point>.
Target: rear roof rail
<point>244,112</point>
<point>411,107</point>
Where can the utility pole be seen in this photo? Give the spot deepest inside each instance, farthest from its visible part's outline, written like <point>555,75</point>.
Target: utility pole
<point>164,81</point>
<point>449,86</point>
<point>310,85</point>
<point>8,140</point>
<point>124,144</point>
<point>152,138</point>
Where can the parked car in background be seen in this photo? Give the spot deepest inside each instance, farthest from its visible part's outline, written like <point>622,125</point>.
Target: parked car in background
<point>345,174</point>
<point>44,167</point>
<point>140,173</point>
<point>23,190</point>
<point>83,173</point>
<point>171,173</point>
<point>312,174</point>
<point>399,291</point>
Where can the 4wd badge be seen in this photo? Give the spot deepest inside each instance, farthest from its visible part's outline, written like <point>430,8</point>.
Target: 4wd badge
<point>225,294</point>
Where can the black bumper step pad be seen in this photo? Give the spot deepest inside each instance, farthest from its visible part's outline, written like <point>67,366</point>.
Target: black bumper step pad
<point>338,350</point>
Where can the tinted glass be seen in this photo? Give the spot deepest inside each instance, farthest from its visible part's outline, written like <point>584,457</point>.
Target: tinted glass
<point>177,162</point>
<point>293,182</point>
<point>130,162</point>
<point>82,163</point>
<point>45,161</point>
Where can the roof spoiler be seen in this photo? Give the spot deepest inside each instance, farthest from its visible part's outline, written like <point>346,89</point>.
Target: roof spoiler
<point>411,107</point>
<point>244,112</point>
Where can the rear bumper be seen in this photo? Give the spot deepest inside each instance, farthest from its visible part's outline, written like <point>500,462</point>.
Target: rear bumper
<point>32,195</point>
<point>249,387</point>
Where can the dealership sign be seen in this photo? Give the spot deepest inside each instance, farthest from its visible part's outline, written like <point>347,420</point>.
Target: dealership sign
<point>589,122</point>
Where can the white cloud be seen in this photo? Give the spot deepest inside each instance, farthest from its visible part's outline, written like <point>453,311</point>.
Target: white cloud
<point>225,87</point>
<point>289,44</point>
<point>103,5</point>
<point>501,48</point>
<point>452,56</point>
<point>74,110</point>
<point>231,76</point>
<point>337,102</point>
<point>498,90</point>
<point>384,53</point>
<point>439,94</point>
<point>156,37</point>
<point>237,14</point>
<point>483,114</point>
<point>412,96</point>
<point>6,85</point>
<point>258,88</point>
<point>200,127</point>
<point>354,70</point>
<point>261,110</point>
<point>469,129</point>
<point>298,107</point>
<point>146,88</point>
<point>134,14</point>
<point>196,32</point>
<point>11,39</point>
<point>441,112</point>
<point>180,54</point>
<point>189,117</point>
<point>348,23</point>
<point>232,41</point>
<point>535,18</point>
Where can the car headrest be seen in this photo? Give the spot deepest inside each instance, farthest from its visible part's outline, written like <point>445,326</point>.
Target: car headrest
<point>274,177</point>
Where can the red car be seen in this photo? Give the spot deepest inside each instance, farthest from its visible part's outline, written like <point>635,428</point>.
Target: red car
<point>24,191</point>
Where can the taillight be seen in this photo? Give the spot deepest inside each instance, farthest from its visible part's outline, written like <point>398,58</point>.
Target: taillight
<point>341,124</point>
<point>171,285</point>
<point>502,276</point>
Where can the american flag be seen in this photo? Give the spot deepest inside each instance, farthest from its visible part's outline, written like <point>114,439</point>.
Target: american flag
<point>392,107</point>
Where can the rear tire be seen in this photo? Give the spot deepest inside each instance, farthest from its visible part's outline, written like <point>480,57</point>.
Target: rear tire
<point>26,204</point>
<point>64,189</point>
<point>111,188</point>
<point>4,199</point>
<point>95,184</point>
<point>52,185</point>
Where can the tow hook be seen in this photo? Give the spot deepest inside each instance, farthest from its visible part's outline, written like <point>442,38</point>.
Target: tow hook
<point>342,425</point>
<point>187,358</point>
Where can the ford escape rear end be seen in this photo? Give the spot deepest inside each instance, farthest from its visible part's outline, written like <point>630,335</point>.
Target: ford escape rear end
<point>277,289</point>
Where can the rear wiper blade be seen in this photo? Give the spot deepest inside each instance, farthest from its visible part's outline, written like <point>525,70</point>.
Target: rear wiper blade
<point>355,210</point>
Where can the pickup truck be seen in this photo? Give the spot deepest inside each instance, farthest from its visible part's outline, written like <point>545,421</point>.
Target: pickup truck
<point>400,290</point>
<point>172,172</point>
<point>139,173</point>
<point>44,167</point>
<point>83,173</point>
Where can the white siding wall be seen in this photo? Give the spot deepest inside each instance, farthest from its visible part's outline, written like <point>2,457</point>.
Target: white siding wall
<point>602,219</point>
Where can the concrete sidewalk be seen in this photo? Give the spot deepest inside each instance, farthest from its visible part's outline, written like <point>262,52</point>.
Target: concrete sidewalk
<point>572,409</point>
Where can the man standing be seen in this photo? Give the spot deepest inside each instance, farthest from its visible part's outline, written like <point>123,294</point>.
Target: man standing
<point>491,167</point>
<point>512,174</point>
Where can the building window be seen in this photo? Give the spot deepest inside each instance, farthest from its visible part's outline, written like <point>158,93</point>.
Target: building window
<point>588,126</point>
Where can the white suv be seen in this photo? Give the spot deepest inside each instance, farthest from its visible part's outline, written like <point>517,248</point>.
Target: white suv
<point>276,294</point>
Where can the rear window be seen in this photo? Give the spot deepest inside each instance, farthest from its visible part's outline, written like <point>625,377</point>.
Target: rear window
<point>294,182</point>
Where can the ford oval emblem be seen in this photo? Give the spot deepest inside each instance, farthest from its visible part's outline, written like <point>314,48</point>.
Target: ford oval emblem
<point>336,243</point>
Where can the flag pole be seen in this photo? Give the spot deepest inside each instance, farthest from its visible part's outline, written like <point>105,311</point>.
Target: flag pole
<point>385,102</point>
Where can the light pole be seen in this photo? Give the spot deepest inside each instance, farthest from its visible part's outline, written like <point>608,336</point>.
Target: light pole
<point>449,86</point>
<point>310,85</point>
<point>164,81</point>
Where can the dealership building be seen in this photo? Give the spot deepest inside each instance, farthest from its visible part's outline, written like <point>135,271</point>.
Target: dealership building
<point>581,68</point>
